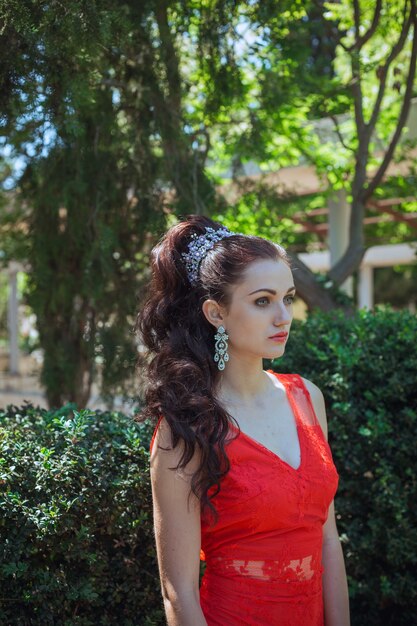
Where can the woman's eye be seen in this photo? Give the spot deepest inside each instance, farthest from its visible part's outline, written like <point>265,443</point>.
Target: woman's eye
<point>265,300</point>
<point>261,300</point>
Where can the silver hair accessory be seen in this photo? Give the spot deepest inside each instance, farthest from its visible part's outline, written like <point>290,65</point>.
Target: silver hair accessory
<point>198,248</point>
<point>220,348</point>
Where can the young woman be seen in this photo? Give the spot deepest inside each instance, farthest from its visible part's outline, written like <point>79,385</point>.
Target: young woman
<point>242,475</point>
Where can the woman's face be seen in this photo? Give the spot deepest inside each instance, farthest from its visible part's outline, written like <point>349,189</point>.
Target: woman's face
<point>261,307</point>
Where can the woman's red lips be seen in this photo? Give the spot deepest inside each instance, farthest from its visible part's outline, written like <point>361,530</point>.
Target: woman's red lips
<point>281,335</point>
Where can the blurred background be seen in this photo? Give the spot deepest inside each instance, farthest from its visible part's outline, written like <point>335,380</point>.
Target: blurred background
<point>296,121</point>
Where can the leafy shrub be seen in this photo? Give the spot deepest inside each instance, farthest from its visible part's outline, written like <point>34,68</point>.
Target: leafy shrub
<point>77,544</point>
<point>366,367</point>
<point>76,537</point>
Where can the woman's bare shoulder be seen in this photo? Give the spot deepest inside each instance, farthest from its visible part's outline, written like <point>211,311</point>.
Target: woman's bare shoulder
<point>164,454</point>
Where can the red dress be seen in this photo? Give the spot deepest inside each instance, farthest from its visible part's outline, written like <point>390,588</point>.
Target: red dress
<point>264,555</point>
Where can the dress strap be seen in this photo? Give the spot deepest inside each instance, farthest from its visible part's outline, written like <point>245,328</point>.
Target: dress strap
<point>154,433</point>
<point>299,398</point>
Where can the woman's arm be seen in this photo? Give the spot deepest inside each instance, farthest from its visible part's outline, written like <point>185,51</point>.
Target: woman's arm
<point>177,532</point>
<point>335,588</point>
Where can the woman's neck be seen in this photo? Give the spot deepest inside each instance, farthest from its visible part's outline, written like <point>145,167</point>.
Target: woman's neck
<point>243,383</point>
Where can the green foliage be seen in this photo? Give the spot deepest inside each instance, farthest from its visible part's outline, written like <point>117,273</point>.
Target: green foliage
<point>396,285</point>
<point>76,530</point>
<point>122,117</point>
<point>398,188</point>
<point>264,212</point>
<point>86,194</point>
<point>366,367</point>
<point>76,537</point>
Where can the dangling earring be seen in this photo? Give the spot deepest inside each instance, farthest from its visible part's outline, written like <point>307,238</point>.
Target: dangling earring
<point>220,349</point>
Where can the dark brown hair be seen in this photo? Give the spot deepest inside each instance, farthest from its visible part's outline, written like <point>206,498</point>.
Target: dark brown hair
<point>181,374</point>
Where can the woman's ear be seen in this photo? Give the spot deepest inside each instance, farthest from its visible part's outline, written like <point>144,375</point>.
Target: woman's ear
<point>213,312</point>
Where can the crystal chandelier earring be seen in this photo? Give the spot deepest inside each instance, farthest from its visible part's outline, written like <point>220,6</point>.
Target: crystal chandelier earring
<point>220,348</point>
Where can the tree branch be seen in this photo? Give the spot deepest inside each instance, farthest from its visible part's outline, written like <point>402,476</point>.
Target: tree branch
<point>339,134</point>
<point>383,72</point>
<point>313,294</point>
<point>357,18</point>
<point>352,257</point>
<point>357,93</point>
<point>349,262</point>
<point>404,110</point>
<point>361,41</point>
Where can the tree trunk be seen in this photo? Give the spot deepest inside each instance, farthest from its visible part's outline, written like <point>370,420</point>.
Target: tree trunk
<point>312,292</point>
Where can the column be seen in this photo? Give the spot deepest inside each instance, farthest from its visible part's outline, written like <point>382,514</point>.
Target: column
<point>13,320</point>
<point>339,220</point>
<point>366,287</point>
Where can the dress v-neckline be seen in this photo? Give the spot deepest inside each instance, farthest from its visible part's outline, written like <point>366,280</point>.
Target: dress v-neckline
<point>298,429</point>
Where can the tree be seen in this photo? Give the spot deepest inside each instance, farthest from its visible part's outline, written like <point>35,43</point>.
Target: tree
<point>124,116</point>
<point>87,194</point>
<point>375,52</point>
<point>94,101</point>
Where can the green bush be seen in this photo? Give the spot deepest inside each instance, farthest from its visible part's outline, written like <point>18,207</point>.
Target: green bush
<point>76,537</point>
<point>77,542</point>
<point>366,367</point>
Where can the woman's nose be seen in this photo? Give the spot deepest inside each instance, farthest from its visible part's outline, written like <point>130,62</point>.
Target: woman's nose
<point>282,314</point>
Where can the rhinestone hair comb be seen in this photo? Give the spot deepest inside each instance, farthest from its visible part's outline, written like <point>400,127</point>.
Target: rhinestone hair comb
<point>198,248</point>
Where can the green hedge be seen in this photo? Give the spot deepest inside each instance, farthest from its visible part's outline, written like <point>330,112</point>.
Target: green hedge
<point>75,520</point>
<point>76,531</point>
<point>367,370</point>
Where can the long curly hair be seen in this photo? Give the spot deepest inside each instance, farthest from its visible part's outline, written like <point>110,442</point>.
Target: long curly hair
<point>181,375</point>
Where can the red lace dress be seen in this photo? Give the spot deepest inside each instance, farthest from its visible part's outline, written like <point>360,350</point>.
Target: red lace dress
<point>264,555</point>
